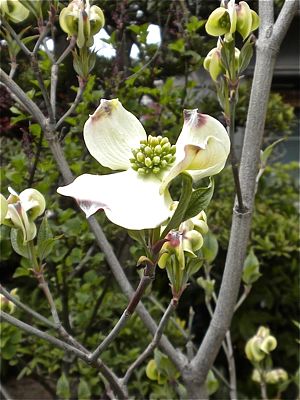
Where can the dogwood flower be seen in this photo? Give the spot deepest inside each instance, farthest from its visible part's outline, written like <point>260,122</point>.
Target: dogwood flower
<point>138,197</point>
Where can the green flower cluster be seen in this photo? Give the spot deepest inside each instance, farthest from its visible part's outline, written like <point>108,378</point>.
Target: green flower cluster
<point>154,155</point>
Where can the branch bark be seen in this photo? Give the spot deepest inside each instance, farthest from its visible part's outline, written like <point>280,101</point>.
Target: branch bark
<point>267,48</point>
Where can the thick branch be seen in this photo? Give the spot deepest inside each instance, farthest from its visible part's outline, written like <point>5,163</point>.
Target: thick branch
<point>266,53</point>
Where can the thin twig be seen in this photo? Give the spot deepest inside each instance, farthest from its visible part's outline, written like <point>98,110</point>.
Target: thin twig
<point>142,357</point>
<point>82,263</point>
<point>145,281</point>
<point>80,90</point>
<point>16,37</point>
<point>39,77</point>
<point>67,51</point>
<point>36,160</point>
<point>107,373</point>
<point>25,308</point>
<point>41,38</point>
<point>247,289</point>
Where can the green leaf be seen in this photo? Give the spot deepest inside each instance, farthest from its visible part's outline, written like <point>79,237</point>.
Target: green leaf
<point>245,55</point>
<point>180,211</point>
<point>63,387</point>
<point>199,200</point>
<point>210,247</point>
<point>83,391</point>
<point>251,269</point>
<point>44,232</point>
<point>268,151</point>
<point>16,238</point>
<point>45,248</point>
<point>212,383</point>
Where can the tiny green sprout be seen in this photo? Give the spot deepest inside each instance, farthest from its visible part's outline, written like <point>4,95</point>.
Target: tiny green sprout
<point>153,156</point>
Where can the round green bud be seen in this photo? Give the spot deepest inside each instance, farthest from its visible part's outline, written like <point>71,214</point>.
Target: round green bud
<point>156,160</point>
<point>157,149</point>
<point>140,156</point>
<point>153,155</point>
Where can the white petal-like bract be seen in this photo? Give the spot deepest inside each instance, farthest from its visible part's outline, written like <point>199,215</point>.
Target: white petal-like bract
<point>111,133</point>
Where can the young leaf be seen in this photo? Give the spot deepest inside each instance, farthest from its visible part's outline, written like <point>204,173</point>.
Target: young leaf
<point>245,55</point>
<point>251,269</point>
<point>84,392</point>
<point>199,200</point>
<point>19,247</point>
<point>63,387</point>
<point>180,211</point>
<point>44,232</point>
<point>268,151</point>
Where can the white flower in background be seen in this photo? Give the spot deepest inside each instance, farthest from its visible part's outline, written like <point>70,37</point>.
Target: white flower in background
<point>138,197</point>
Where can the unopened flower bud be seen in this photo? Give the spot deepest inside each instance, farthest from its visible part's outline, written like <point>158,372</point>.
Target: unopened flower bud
<point>276,376</point>
<point>256,376</point>
<point>81,20</point>
<point>247,19</point>
<point>13,10</point>
<point>213,64</point>
<point>192,241</point>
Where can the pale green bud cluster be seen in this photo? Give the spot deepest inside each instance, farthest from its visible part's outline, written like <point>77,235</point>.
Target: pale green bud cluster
<point>179,253</point>
<point>154,155</point>
<point>273,377</point>
<point>7,305</point>
<point>20,211</point>
<point>226,20</point>
<point>260,345</point>
<point>80,20</point>
<point>213,61</point>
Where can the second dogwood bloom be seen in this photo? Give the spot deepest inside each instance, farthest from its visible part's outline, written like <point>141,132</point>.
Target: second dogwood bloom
<point>138,197</point>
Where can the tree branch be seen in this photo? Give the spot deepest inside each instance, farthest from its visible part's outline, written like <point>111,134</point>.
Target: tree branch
<point>158,334</point>
<point>266,54</point>
<point>27,309</point>
<point>107,373</point>
<point>23,99</point>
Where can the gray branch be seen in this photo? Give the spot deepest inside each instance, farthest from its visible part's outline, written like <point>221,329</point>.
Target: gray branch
<point>267,48</point>
<point>107,373</point>
<point>22,98</point>
<point>158,334</point>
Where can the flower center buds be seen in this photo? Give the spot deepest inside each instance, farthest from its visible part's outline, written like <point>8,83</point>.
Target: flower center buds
<point>154,155</point>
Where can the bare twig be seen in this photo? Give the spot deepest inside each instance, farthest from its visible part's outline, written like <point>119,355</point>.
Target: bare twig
<point>80,90</point>
<point>41,38</point>
<point>16,37</point>
<point>67,51</point>
<point>247,289</point>
<point>27,309</point>
<point>107,373</point>
<point>82,263</point>
<point>147,278</point>
<point>146,353</point>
